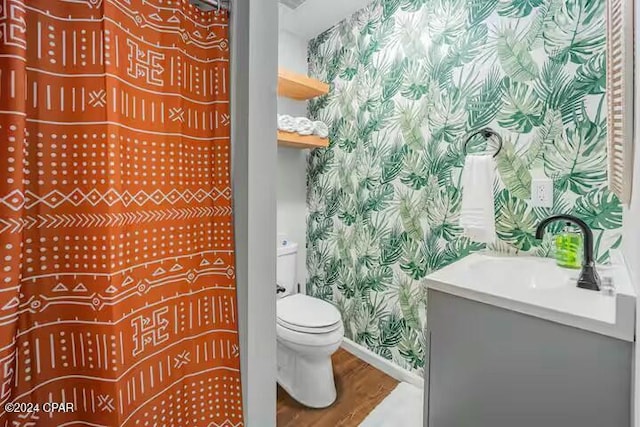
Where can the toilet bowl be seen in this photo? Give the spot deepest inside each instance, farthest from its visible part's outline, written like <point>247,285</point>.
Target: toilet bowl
<point>308,331</point>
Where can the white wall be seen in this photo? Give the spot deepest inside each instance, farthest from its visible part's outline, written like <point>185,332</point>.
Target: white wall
<point>631,231</point>
<point>292,163</point>
<point>315,16</point>
<point>254,38</point>
<point>631,248</point>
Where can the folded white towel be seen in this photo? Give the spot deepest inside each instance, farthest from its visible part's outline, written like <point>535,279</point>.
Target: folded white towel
<point>477,216</point>
<point>304,126</point>
<point>286,123</point>
<point>321,129</point>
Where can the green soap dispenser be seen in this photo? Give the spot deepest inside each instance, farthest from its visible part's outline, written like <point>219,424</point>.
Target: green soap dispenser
<point>569,247</point>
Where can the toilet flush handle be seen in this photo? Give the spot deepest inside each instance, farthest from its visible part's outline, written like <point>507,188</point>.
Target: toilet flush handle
<point>280,289</point>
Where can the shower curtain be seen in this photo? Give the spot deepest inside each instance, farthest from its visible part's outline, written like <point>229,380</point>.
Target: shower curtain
<point>117,282</point>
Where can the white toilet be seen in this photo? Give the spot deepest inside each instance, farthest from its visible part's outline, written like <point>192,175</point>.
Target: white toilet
<point>309,331</point>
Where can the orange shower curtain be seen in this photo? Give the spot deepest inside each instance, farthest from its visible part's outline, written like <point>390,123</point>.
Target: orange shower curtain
<point>117,282</point>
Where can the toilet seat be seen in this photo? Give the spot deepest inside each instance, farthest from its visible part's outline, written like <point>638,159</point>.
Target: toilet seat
<point>304,339</point>
<point>303,314</point>
<point>309,330</point>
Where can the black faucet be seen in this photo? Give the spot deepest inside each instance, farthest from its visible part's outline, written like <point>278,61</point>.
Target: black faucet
<point>589,278</point>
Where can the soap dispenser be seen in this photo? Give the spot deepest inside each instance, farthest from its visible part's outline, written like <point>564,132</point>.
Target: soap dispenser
<point>568,247</point>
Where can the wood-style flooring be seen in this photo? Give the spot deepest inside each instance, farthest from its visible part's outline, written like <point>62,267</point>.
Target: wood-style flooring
<point>360,386</point>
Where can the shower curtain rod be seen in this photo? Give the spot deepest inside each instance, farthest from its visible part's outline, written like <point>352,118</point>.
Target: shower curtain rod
<point>212,4</point>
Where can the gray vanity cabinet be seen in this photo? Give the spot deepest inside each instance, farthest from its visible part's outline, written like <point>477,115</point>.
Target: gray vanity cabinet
<point>492,367</point>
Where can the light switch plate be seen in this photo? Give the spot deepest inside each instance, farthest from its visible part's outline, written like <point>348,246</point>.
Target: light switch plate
<point>542,192</point>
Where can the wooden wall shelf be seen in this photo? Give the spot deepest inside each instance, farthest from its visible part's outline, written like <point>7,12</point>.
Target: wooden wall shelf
<point>290,139</point>
<point>298,86</point>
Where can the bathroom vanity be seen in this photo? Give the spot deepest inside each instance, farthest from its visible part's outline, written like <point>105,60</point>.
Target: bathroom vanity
<point>513,342</point>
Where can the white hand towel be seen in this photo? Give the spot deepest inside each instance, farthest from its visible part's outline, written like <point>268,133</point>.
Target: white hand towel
<point>304,126</point>
<point>286,123</point>
<point>477,216</point>
<point>321,129</point>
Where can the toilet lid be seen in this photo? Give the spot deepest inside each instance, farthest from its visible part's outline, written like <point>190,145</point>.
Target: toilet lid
<point>303,313</point>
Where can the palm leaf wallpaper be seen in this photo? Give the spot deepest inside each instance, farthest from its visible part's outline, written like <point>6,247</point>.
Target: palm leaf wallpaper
<point>409,80</point>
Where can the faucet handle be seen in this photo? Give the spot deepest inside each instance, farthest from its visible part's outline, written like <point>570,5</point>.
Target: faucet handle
<point>607,287</point>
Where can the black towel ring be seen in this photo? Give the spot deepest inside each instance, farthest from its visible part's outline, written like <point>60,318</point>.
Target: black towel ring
<point>487,133</point>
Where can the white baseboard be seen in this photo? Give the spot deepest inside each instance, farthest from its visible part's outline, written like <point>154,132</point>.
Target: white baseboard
<point>382,364</point>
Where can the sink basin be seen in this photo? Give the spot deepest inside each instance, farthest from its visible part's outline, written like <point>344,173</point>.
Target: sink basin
<point>527,272</point>
<point>538,287</point>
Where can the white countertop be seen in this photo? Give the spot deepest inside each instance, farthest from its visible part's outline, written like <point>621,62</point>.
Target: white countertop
<point>538,287</point>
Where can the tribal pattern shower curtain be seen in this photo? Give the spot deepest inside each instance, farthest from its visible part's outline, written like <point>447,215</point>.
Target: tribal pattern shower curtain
<point>117,282</point>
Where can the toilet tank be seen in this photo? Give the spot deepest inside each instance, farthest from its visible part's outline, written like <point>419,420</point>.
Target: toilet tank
<point>286,266</point>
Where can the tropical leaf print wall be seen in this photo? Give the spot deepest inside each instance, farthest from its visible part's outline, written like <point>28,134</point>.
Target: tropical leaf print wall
<point>409,80</point>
